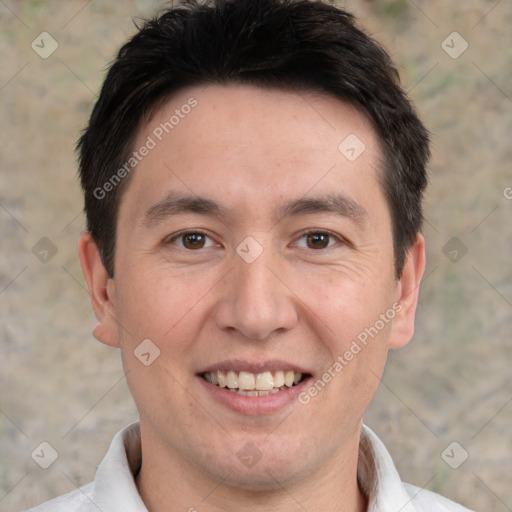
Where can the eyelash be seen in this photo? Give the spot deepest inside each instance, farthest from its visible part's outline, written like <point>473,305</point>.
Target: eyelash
<point>173,238</point>
<point>338,238</point>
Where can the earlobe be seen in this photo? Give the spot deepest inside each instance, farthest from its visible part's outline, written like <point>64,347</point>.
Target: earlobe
<point>102,294</point>
<point>407,294</point>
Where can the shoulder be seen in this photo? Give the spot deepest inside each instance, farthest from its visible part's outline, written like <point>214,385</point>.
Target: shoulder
<point>379,479</point>
<point>113,487</point>
<point>78,500</point>
<point>426,501</point>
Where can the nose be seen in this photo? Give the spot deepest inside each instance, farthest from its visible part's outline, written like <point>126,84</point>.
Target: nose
<point>256,301</point>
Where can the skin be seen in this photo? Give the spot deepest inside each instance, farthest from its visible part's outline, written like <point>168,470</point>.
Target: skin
<point>251,151</point>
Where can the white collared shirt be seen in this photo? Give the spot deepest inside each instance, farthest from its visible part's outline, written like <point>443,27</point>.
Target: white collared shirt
<point>114,489</point>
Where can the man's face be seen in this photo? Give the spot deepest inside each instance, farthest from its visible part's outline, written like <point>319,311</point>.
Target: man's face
<point>250,241</point>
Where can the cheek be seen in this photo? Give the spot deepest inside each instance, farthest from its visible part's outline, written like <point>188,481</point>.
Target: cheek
<point>157,303</point>
<point>353,319</point>
<point>347,305</point>
<point>158,326</point>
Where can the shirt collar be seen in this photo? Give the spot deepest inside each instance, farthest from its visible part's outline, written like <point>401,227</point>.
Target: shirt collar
<point>114,483</point>
<point>378,477</point>
<point>115,489</point>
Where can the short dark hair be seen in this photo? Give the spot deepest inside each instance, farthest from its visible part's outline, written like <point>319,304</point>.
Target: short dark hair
<point>303,45</point>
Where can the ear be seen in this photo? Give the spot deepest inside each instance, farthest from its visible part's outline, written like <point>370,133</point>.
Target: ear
<point>101,290</point>
<point>407,294</point>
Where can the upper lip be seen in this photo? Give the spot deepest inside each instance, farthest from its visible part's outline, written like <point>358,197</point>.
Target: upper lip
<point>237,365</point>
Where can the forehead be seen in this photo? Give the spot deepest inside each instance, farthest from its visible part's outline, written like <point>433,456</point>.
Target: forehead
<point>232,142</point>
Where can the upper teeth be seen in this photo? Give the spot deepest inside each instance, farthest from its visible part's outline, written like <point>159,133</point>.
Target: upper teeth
<point>264,381</point>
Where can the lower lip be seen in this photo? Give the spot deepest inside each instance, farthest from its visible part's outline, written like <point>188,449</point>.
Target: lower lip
<point>254,405</point>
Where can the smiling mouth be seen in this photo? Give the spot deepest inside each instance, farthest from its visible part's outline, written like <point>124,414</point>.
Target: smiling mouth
<point>254,384</point>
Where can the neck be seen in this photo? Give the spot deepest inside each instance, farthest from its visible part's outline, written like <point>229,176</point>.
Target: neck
<point>165,478</point>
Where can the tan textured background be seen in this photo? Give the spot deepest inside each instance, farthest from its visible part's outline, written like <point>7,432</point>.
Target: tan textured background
<point>452,383</point>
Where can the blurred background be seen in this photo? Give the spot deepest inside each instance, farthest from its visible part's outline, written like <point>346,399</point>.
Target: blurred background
<point>444,408</point>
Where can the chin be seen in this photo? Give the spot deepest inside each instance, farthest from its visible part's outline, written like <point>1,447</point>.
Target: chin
<point>250,470</point>
<point>264,479</point>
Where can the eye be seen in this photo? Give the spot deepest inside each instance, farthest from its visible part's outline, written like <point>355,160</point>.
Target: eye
<point>317,240</point>
<point>191,240</point>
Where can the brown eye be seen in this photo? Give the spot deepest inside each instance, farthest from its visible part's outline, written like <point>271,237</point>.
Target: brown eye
<point>192,240</point>
<point>317,240</point>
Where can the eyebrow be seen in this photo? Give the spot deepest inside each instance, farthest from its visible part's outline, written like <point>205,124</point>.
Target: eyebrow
<point>174,204</point>
<point>178,204</point>
<point>333,203</point>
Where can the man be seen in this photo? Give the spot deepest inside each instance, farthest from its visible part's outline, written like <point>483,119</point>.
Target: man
<point>253,176</point>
